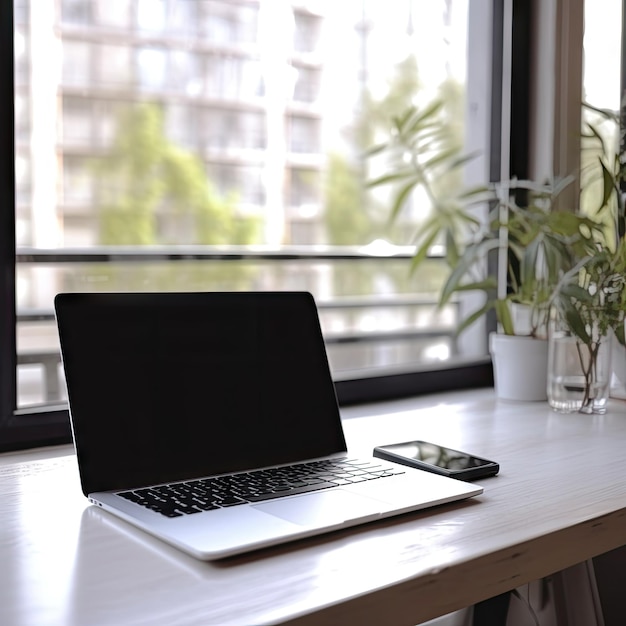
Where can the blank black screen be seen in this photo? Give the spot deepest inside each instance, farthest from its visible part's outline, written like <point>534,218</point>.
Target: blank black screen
<point>169,386</point>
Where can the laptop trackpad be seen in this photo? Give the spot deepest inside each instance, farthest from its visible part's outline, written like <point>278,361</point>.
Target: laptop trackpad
<point>323,508</point>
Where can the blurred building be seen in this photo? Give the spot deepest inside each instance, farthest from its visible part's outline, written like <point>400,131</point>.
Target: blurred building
<point>238,83</point>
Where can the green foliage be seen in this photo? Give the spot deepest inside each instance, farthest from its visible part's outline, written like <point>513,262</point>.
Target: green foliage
<point>604,168</point>
<point>603,272</point>
<point>404,86</point>
<point>420,153</point>
<point>591,295</point>
<point>539,244</point>
<point>346,223</point>
<point>152,191</point>
<point>590,304</point>
<point>547,252</point>
<point>569,265</point>
<point>355,215</point>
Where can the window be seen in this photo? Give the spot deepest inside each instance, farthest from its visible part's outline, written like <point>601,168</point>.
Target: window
<point>307,84</point>
<point>307,32</point>
<point>77,122</point>
<point>182,125</point>
<point>183,72</point>
<point>76,63</point>
<point>113,14</point>
<point>113,65</point>
<point>304,135</point>
<point>304,190</point>
<point>601,58</point>
<point>77,185</point>
<point>151,15</point>
<point>76,12</point>
<point>226,22</point>
<point>151,68</point>
<point>181,145</point>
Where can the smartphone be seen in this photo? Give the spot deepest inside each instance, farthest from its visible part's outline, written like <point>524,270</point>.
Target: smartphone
<point>438,459</point>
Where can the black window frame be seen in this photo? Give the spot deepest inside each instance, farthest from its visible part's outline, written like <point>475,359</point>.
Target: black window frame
<point>28,428</point>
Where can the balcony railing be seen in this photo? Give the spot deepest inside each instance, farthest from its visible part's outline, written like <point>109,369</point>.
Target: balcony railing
<point>362,330</point>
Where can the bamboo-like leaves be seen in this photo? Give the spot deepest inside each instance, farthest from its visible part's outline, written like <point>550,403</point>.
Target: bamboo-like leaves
<point>556,258</point>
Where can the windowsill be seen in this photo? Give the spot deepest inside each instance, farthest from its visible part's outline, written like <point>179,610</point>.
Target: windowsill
<point>35,454</point>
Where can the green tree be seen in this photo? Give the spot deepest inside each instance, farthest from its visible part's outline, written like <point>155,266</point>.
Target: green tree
<point>346,222</point>
<point>349,206</point>
<point>151,191</point>
<point>354,215</point>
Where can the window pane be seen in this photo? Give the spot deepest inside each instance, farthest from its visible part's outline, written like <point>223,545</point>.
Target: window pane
<point>76,11</point>
<point>601,89</point>
<point>161,124</point>
<point>151,15</point>
<point>113,14</point>
<point>151,68</point>
<point>113,66</point>
<point>77,119</point>
<point>76,63</point>
<point>602,53</point>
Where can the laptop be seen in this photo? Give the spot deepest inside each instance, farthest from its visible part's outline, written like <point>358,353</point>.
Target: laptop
<point>210,420</point>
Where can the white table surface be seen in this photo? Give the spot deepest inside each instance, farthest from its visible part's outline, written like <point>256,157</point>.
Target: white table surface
<point>560,499</point>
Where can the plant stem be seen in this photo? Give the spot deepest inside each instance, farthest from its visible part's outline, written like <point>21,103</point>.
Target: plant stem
<point>590,372</point>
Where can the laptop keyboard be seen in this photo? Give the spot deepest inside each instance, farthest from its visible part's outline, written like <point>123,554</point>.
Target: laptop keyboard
<point>194,496</point>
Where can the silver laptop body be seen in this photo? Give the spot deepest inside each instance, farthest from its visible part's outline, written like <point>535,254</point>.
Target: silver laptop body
<point>174,395</point>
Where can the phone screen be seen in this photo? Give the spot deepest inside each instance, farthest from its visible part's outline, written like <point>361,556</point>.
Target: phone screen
<point>436,455</point>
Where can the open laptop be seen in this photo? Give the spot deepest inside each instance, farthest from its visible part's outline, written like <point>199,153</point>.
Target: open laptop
<point>210,420</point>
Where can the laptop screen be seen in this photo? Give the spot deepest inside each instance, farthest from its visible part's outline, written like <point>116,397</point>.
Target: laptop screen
<point>170,386</point>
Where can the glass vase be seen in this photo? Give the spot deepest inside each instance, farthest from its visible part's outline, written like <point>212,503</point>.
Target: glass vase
<point>579,372</point>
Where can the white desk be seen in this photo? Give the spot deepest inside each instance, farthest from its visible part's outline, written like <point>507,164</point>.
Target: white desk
<point>560,498</point>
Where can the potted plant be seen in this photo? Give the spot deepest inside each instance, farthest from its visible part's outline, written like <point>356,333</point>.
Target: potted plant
<point>536,244</point>
<point>587,310</point>
<point>605,140</point>
<point>589,302</point>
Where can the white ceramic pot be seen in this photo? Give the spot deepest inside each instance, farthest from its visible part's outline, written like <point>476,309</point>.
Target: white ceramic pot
<point>520,367</point>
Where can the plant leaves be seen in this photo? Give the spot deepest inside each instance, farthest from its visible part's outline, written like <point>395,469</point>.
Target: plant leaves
<point>503,313</point>
<point>400,199</point>
<point>390,178</point>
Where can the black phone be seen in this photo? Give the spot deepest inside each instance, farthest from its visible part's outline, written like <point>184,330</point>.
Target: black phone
<point>438,459</point>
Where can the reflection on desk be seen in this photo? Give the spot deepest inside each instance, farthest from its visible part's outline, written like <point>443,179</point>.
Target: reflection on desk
<point>559,499</point>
